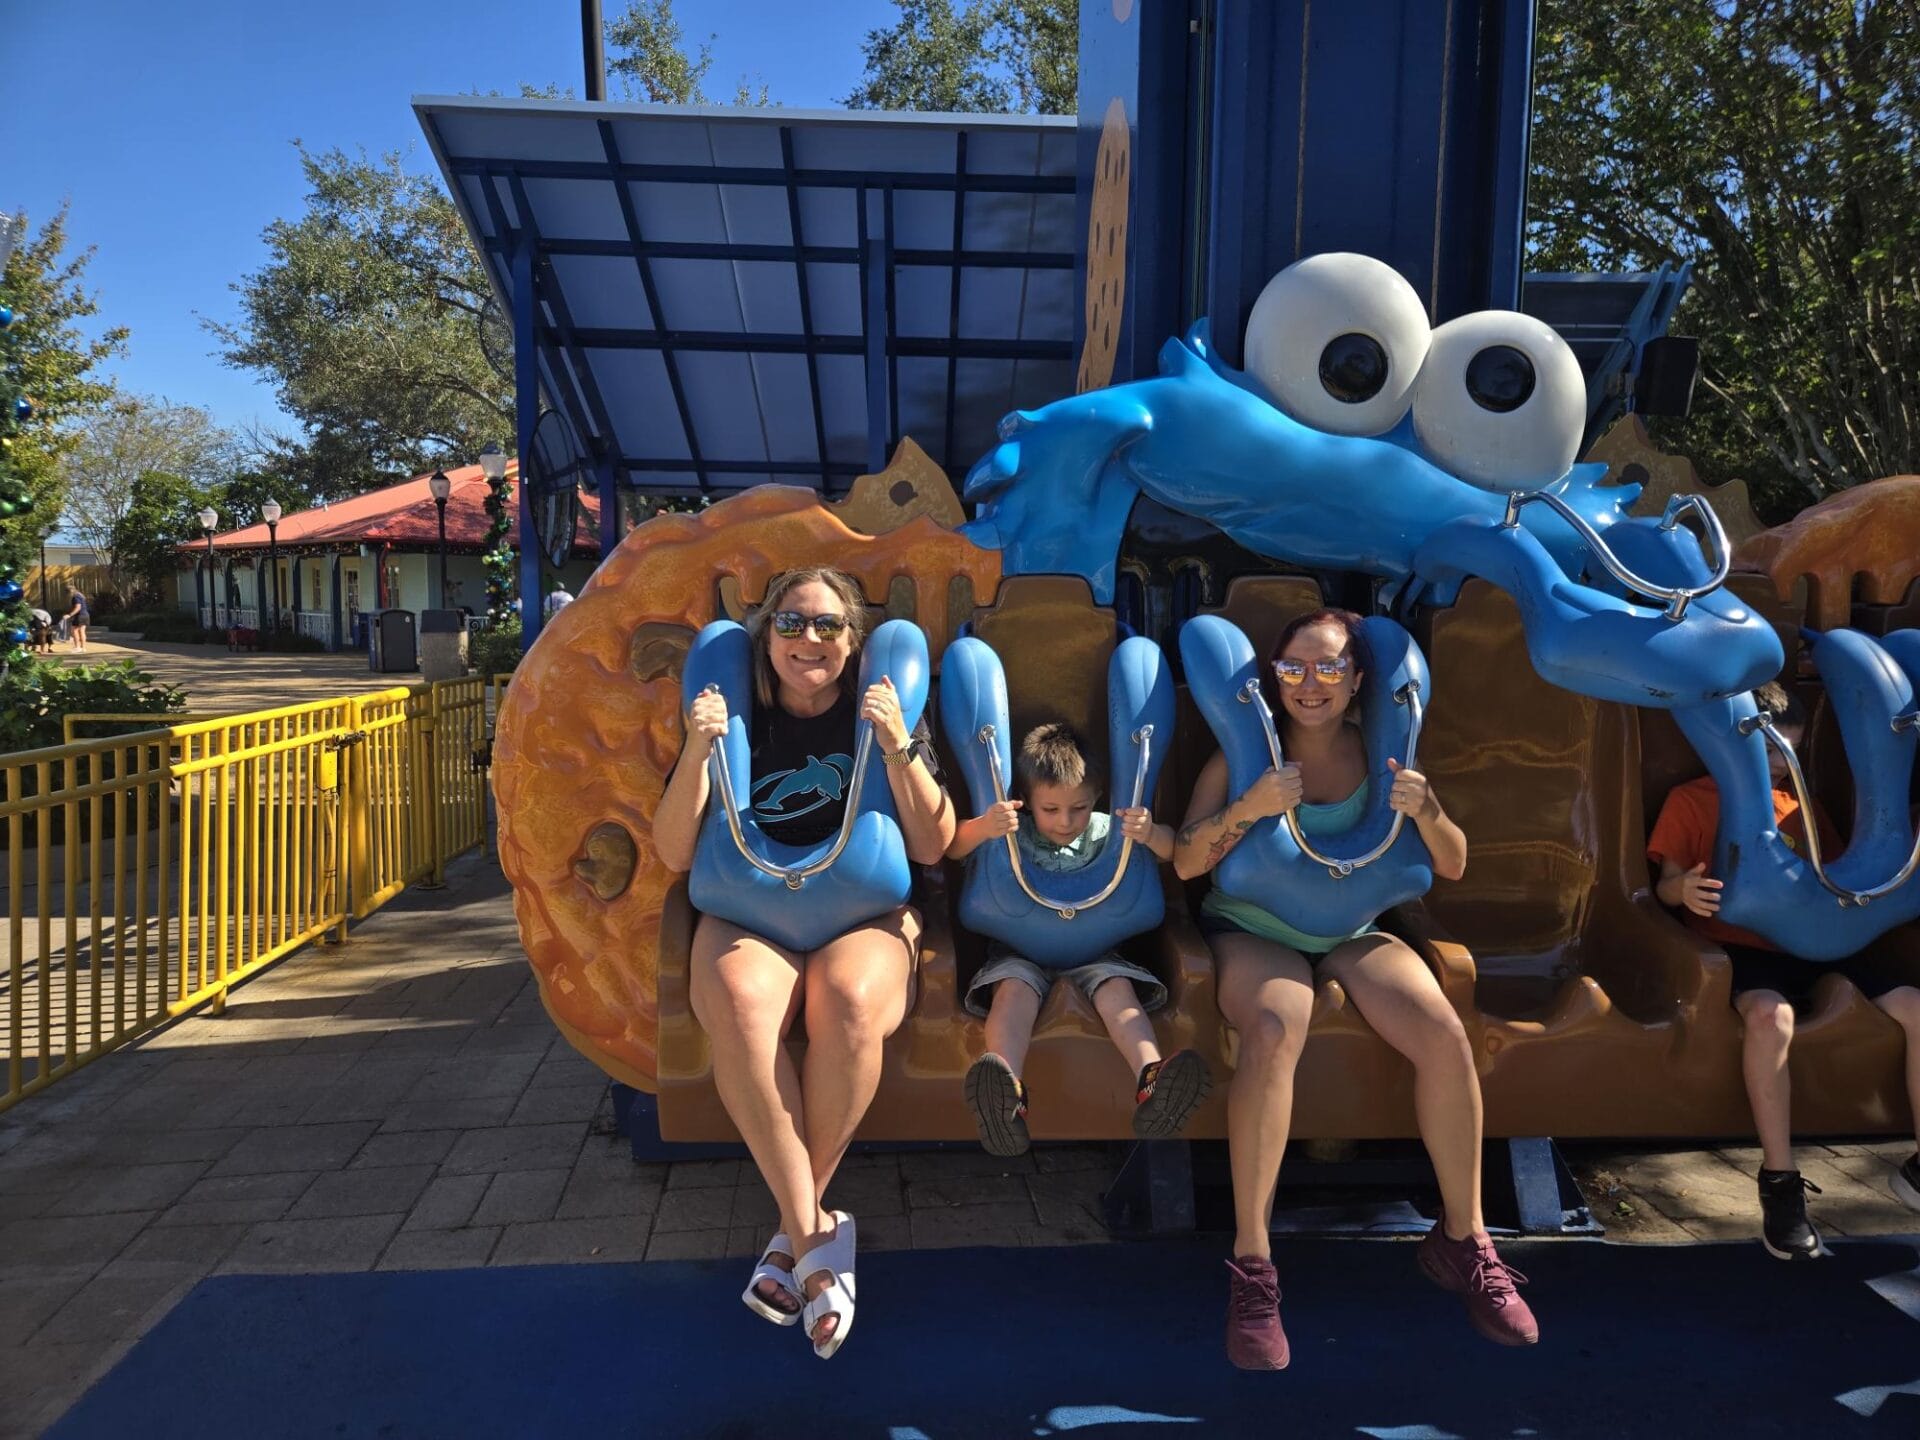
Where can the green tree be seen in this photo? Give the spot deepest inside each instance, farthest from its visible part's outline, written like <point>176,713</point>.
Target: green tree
<point>46,363</point>
<point>1772,144</point>
<point>999,56</point>
<point>162,512</point>
<point>366,317</point>
<point>130,437</point>
<point>650,56</point>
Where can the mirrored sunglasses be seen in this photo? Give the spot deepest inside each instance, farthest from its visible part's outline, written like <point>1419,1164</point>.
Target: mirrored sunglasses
<point>791,625</point>
<point>1331,672</point>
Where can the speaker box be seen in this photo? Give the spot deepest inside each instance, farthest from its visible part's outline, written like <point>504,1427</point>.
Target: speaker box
<point>1669,365</point>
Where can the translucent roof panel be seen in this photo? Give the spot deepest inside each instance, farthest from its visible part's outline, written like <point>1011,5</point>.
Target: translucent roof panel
<point>726,296</point>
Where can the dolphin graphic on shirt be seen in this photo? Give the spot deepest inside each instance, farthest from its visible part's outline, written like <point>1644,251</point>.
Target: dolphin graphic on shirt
<point>787,794</point>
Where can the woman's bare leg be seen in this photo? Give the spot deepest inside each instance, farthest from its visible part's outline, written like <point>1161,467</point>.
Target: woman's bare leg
<point>1397,994</point>
<point>745,992</point>
<point>1266,994</point>
<point>857,990</point>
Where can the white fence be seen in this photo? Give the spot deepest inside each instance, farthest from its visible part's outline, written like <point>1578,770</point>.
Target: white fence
<point>317,625</point>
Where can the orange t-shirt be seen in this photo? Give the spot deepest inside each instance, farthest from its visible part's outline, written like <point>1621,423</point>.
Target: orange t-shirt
<point>1684,834</point>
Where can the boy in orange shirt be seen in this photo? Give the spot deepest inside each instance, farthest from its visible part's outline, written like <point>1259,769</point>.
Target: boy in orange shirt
<point>1768,982</point>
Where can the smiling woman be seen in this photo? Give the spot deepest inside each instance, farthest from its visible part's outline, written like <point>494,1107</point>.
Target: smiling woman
<point>804,641</point>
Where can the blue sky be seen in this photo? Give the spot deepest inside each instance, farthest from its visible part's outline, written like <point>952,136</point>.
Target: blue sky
<point>169,127</point>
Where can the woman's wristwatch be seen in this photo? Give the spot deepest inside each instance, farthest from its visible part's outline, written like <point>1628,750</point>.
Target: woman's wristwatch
<point>902,756</point>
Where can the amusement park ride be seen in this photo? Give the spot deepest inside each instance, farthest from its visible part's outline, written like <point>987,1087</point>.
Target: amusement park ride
<point>1247,338</point>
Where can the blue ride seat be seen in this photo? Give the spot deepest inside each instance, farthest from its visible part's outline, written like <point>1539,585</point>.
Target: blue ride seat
<point>1821,907</point>
<point>1059,920</point>
<point>1377,864</point>
<point>801,896</point>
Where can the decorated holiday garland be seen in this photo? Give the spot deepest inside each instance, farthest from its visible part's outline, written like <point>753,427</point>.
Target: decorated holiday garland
<point>16,500</point>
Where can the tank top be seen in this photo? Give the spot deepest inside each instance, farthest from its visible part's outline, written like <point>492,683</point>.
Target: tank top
<point>1329,819</point>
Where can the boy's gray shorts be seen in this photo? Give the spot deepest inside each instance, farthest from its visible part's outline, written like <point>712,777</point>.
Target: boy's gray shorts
<point>1089,977</point>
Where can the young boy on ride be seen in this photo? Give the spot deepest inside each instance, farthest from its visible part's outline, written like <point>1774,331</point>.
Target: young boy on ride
<point>1055,826</point>
<point>1769,984</point>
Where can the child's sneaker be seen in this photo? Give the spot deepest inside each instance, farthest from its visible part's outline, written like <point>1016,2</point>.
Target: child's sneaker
<point>1255,1340</point>
<point>1905,1183</point>
<point>1167,1094</point>
<point>999,1104</point>
<point>1471,1269</point>
<point>1784,1227</point>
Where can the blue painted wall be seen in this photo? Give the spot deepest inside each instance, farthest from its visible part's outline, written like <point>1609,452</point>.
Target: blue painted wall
<point>1265,130</point>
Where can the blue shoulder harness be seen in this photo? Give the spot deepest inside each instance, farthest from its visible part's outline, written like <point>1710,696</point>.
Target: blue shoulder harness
<point>801,896</point>
<point>1058,920</point>
<point>1819,906</point>
<point>1330,885</point>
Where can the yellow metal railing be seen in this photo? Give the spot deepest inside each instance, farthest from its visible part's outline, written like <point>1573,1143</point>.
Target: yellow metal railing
<point>130,720</point>
<point>146,874</point>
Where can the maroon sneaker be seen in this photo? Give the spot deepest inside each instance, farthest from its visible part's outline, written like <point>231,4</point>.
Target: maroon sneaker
<point>1255,1340</point>
<point>1471,1269</point>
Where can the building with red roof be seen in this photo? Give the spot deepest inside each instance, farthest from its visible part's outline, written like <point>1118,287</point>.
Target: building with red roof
<point>377,551</point>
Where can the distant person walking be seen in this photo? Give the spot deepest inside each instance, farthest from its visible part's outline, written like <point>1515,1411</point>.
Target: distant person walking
<point>77,621</point>
<point>558,599</point>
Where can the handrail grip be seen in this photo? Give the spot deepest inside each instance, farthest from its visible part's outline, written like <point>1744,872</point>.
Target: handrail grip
<point>1143,737</point>
<point>1408,694</point>
<point>794,875</point>
<point>1763,722</point>
<point>1678,597</point>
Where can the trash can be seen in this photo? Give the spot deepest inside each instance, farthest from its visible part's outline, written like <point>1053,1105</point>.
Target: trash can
<point>394,649</point>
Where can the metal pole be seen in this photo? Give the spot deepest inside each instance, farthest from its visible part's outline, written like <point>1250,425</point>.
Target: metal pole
<point>213,592</point>
<point>273,563</point>
<point>46,603</point>
<point>593,48</point>
<point>441,505</point>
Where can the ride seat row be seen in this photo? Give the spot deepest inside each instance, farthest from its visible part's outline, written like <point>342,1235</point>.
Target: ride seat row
<point>1592,1011</point>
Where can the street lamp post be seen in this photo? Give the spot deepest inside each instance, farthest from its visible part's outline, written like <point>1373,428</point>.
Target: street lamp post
<point>441,487</point>
<point>46,602</point>
<point>493,465</point>
<point>209,518</point>
<point>270,512</point>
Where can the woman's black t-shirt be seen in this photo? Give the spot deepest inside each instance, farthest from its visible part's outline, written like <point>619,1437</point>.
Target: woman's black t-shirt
<point>802,766</point>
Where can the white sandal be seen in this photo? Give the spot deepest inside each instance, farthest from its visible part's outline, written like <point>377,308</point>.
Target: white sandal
<point>836,1297</point>
<point>766,1270</point>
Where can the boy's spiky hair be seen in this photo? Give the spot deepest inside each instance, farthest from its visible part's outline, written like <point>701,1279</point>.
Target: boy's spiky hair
<point>1781,703</point>
<point>1052,755</point>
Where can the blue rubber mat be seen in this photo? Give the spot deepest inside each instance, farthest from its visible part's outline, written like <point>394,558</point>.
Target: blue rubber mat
<point>1096,1341</point>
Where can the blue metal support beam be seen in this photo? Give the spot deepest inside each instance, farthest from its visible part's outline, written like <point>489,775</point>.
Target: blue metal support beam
<point>631,218</point>
<point>526,397</point>
<point>873,295</point>
<point>800,262</point>
<point>606,471</point>
<point>792,254</point>
<point>618,169</point>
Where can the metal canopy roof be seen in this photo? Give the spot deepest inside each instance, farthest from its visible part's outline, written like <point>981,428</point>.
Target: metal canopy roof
<point>723,297</point>
<point>1605,320</point>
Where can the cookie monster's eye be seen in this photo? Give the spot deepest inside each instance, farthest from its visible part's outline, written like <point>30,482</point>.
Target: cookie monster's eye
<point>1500,402</point>
<point>1337,340</point>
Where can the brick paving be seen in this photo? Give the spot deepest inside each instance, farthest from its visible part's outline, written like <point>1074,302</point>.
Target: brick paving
<point>218,682</point>
<point>403,1102</point>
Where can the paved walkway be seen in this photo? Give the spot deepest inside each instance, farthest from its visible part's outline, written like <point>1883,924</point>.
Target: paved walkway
<point>218,681</point>
<point>404,1103</point>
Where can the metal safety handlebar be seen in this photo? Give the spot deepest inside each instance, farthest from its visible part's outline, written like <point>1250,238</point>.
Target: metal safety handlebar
<point>1763,722</point>
<point>1409,695</point>
<point>794,875</point>
<point>1143,737</point>
<point>1677,597</point>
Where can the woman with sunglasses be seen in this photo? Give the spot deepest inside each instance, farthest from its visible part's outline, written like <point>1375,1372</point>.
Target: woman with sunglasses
<point>1266,974</point>
<point>746,990</point>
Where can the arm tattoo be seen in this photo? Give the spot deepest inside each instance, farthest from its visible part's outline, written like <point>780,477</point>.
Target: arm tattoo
<point>1217,851</point>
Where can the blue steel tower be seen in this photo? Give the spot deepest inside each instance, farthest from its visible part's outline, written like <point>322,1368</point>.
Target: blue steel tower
<point>1220,140</point>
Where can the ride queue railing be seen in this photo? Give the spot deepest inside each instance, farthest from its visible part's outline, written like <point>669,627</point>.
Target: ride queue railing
<point>145,874</point>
